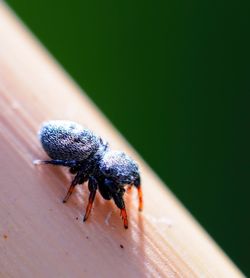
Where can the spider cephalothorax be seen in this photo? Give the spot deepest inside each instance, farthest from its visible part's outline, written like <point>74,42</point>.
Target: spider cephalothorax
<point>90,159</point>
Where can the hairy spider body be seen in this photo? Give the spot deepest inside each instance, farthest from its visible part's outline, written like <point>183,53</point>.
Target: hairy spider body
<point>90,159</point>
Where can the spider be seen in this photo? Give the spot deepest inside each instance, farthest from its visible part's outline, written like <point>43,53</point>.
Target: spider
<point>90,159</point>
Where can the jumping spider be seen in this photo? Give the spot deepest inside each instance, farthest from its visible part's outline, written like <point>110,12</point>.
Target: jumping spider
<point>90,159</point>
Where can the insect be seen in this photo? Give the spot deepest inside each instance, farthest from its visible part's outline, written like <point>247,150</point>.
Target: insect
<point>91,160</point>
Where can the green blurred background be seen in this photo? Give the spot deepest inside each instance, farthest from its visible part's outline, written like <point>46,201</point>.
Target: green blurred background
<point>173,77</point>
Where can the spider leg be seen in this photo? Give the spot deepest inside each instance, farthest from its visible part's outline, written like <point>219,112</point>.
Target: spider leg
<point>104,191</point>
<point>118,199</point>
<point>124,217</point>
<point>67,163</point>
<point>137,184</point>
<point>71,188</point>
<point>140,197</point>
<point>92,189</point>
<point>78,179</point>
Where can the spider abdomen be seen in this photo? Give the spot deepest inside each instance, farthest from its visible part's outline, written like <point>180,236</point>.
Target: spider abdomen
<point>67,140</point>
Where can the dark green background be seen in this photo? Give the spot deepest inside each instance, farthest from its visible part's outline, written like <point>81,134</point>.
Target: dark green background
<point>173,76</point>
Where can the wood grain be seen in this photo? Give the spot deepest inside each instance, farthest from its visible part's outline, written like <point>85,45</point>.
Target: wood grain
<point>40,236</point>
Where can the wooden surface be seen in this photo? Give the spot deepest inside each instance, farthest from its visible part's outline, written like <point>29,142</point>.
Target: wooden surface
<point>40,236</point>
